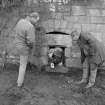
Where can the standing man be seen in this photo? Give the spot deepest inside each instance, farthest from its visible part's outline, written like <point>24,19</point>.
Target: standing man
<point>24,40</point>
<point>92,56</point>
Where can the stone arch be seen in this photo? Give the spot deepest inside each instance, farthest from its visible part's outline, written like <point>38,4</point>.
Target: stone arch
<point>57,34</point>
<point>61,25</point>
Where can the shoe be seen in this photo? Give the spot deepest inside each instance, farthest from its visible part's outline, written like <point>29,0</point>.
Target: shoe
<point>92,78</point>
<point>82,81</point>
<point>89,85</point>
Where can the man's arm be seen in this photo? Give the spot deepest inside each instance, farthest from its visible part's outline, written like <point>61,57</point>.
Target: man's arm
<point>30,37</point>
<point>91,43</point>
<point>82,55</point>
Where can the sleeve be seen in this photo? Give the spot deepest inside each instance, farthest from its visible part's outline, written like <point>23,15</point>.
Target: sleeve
<point>82,55</point>
<point>92,46</point>
<point>91,42</point>
<point>31,34</point>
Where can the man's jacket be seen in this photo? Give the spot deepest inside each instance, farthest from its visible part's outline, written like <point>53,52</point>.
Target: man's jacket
<point>91,48</point>
<point>24,36</point>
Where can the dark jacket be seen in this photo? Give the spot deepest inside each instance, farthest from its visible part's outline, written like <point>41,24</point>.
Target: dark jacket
<point>92,48</point>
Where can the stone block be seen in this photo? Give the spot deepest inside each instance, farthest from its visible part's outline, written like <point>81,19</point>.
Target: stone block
<point>44,51</point>
<point>94,12</point>
<point>75,52</point>
<point>103,12</point>
<point>75,48</point>
<point>64,40</point>
<point>100,28</point>
<point>50,39</point>
<point>89,27</point>
<point>96,4</point>
<point>103,4</point>
<point>78,19</point>
<point>77,26</point>
<point>46,25</point>
<point>71,62</point>
<point>73,26</point>
<point>57,16</point>
<point>51,23</point>
<point>57,24</point>
<point>43,60</point>
<point>70,25</point>
<point>72,19</point>
<point>29,2</point>
<point>66,14</point>
<point>63,8</point>
<point>97,20</point>
<point>78,10</point>
<point>98,36</point>
<point>66,17</point>
<point>68,52</point>
<point>83,19</point>
<point>63,24</point>
<point>67,30</point>
<point>59,69</point>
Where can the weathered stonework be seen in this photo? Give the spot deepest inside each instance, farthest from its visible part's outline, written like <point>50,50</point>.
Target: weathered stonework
<point>97,20</point>
<point>78,10</point>
<point>68,52</point>
<point>64,40</point>
<point>44,51</point>
<point>94,12</point>
<point>73,62</point>
<point>87,16</point>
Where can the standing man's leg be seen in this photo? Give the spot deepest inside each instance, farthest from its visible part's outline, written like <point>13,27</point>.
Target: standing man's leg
<point>92,77</point>
<point>85,72</point>
<point>22,69</point>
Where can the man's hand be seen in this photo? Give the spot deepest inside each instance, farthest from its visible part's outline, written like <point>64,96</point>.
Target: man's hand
<point>30,45</point>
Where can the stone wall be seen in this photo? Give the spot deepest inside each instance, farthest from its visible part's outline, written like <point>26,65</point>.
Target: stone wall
<point>85,15</point>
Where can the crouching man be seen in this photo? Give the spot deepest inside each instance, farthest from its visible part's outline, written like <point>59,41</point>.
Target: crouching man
<point>92,56</point>
<point>24,40</point>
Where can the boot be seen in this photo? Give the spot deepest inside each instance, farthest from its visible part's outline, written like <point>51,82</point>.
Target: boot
<point>84,77</point>
<point>92,78</point>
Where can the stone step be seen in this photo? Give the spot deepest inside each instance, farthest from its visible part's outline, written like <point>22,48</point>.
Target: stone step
<point>59,69</point>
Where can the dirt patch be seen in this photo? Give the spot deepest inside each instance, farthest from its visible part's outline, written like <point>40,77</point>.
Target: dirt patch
<point>49,89</point>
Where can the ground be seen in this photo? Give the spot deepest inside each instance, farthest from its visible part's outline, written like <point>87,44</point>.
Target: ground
<point>41,88</point>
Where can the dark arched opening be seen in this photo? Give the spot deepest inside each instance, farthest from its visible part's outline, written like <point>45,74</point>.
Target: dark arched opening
<point>57,32</point>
